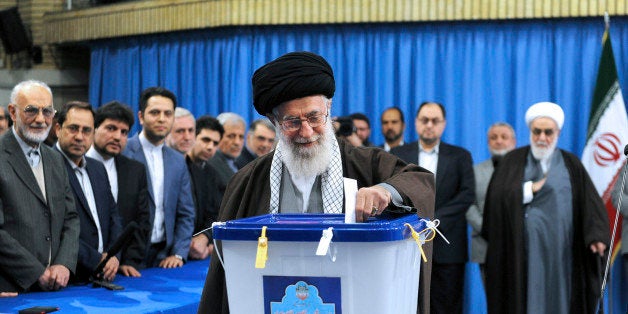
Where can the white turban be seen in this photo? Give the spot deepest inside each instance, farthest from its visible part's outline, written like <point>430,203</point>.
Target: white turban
<point>546,109</point>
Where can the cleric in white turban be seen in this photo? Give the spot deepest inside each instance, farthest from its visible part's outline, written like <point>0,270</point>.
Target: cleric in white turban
<point>546,109</point>
<point>545,224</point>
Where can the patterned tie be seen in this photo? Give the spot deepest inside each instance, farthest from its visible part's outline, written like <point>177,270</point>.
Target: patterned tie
<point>33,157</point>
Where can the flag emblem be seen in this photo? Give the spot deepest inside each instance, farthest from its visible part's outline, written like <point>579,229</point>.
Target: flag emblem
<point>607,149</point>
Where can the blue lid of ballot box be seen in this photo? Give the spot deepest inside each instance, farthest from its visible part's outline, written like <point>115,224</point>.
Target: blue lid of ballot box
<point>309,227</point>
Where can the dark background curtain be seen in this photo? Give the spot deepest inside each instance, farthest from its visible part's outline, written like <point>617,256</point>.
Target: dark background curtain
<point>482,72</point>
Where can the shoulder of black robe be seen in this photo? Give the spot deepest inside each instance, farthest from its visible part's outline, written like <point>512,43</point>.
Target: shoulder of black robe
<point>502,228</point>
<point>591,224</point>
<point>248,194</point>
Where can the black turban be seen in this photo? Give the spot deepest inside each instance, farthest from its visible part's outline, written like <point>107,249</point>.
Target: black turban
<point>291,76</point>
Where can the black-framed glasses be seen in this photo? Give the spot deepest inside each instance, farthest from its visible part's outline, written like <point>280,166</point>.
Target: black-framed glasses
<point>32,111</point>
<point>548,132</point>
<point>74,129</point>
<point>315,120</point>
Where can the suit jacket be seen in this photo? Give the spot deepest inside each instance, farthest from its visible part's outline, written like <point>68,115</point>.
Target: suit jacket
<point>178,203</point>
<point>223,171</point>
<point>133,206</point>
<point>483,172</point>
<point>245,157</point>
<point>455,188</point>
<point>108,216</point>
<point>33,228</point>
<point>206,196</point>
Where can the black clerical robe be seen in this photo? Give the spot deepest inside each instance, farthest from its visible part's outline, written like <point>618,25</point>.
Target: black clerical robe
<point>248,194</point>
<point>503,228</point>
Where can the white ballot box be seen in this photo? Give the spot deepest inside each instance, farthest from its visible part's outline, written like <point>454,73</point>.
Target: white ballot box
<point>370,267</point>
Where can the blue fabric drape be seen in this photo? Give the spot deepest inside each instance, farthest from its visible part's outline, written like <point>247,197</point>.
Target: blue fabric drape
<point>482,72</point>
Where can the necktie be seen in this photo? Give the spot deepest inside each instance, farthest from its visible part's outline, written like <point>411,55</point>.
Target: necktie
<point>33,157</point>
<point>231,163</point>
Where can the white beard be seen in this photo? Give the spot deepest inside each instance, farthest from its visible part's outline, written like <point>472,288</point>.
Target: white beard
<point>31,136</point>
<point>499,152</point>
<point>307,161</point>
<point>541,151</point>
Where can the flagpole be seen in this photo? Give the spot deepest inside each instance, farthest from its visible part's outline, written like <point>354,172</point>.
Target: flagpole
<point>607,25</point>
<point>610,249</point>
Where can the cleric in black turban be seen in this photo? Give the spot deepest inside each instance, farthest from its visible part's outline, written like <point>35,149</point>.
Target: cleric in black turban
<point>291,76</point>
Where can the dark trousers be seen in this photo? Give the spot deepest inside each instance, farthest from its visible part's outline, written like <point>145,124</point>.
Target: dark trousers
<point>446,288</point>
<point>151,254</point>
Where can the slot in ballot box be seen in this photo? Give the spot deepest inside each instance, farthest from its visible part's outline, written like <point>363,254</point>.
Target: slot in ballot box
<point>370,267</point>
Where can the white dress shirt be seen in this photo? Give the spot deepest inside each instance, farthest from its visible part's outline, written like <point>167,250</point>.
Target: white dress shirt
<point>155,160</point>
<point>88,192</point>
<point>429,159</point>
<point>110,166</point>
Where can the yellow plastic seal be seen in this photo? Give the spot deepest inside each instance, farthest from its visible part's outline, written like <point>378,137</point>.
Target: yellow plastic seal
<point>417,238</point>
<point>262,250</point>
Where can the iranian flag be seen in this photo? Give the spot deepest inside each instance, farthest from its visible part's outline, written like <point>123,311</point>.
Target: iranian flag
<point>607,134</point>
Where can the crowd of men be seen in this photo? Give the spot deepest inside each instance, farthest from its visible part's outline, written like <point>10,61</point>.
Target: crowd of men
<point>539,229</point>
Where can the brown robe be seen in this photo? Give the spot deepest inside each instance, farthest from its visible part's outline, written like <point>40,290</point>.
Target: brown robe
<point>248,194</point>
<point>503,228</point>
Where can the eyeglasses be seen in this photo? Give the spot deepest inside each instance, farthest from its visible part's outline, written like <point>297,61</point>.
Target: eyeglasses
<point>74,129</point>
<point>435,121</point>
<point>548,132</point>
<point>315,120</point>
<point>32,111</point>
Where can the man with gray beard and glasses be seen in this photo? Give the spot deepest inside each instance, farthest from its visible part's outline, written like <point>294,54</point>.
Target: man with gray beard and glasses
<point>305,172</point>
<point>546,227</point>
<point>39,225</point>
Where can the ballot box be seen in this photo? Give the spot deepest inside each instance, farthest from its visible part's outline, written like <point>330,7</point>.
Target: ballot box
<point>309,263</point>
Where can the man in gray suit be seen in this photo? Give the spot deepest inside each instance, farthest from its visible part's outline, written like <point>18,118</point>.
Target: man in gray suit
<point>39,225</point>
<point>501,140</point>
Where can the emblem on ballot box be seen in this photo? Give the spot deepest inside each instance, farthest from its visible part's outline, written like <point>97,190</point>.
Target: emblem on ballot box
<point>302,297</point>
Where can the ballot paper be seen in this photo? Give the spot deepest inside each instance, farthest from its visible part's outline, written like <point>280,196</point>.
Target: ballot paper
<point>351,193</point>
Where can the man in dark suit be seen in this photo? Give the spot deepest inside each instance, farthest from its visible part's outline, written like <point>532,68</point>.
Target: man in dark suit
<point>209,132</point>
<point>229,148</point>
<point>171,204</point>
<point>393,125</point>
<point>98,212</point>
<point>181,138</point>
<point>260,140</point>
<point>39,225</point>
<point>207,198</point>
<point>455,183</point>
<point>127,178</point>
<point>362,126</point>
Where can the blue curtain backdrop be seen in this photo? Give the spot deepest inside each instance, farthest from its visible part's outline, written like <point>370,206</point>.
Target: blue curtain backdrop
<point>482,72</point>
